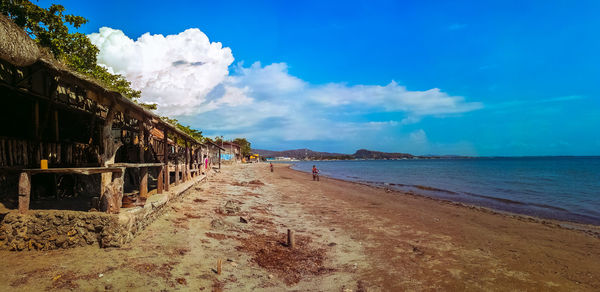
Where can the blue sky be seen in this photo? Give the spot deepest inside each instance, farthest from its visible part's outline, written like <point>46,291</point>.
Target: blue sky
<point>444,77</point>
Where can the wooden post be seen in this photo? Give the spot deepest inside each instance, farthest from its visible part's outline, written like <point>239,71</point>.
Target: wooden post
<point>291,241</point>
<point>56,128</point>
<point>160,180</point>
<point>219,158</point>
<point>143,170</point>
<point>143,182</point>
<point>219,264</point>
<point>176,161</point>
<point>24,192</point>
<point>187,160</point>
<point>166,172</point>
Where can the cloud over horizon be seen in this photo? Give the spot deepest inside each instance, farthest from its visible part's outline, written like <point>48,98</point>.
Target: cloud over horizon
<point>189,78</point>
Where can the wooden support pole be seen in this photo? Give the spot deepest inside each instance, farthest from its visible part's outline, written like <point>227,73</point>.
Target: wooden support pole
<point>291,241</point>
<point>24,192</point>
<point>176,173</point>
<point>166,172</point>
<point>56,128</point>
<point>187,160</point>
<point>219,264</point>
<point>143,182</point>
<point>143,170</point>
<point>176,159</point>
<point>160,180</point>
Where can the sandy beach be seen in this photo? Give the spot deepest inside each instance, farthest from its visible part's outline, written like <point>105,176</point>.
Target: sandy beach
<point>349,237</point>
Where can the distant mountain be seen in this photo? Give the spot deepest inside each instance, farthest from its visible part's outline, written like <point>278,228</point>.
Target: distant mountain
<point>359,154</point>
<point>368,154</point>
<point>300,154</point>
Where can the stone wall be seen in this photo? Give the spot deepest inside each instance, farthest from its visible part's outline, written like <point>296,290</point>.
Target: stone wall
<point>53,229</point>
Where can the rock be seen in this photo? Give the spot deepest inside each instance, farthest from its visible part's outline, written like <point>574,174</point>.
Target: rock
<point>21,245</point>
<point>332,244</point>
<point>232,207</point>
<point>60,240</point>
<point>271,276</point>
<point>218,224</point>
<point>243,220</point>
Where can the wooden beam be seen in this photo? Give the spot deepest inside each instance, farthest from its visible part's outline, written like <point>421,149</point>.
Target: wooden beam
<point>24,192</point>
<point>77,170</point>
<point>136,165</point>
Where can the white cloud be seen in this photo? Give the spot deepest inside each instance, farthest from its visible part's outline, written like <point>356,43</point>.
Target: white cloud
<point>177,71</point>
<point>392,97</point>
<point>188,77</point>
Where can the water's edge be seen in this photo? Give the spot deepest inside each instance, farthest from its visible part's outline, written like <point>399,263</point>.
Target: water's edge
<point>496,205</point>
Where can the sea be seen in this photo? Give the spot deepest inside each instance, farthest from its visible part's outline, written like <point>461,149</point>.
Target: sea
<point>561,188</point>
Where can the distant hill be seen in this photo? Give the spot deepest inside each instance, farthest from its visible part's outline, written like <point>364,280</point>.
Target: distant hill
<point>368,154</point>
<point>300,154</point>
<point>310,154</point>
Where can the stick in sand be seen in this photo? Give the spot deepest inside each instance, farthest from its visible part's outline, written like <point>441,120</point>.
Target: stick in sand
<point>291,241</point>
<point>219,262</point>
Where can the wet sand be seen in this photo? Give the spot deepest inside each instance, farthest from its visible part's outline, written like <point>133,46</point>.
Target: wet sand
<point>350,237</point>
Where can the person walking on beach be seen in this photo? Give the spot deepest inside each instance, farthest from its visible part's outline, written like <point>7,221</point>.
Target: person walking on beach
<point>271,165</point>
<point>315,173</point>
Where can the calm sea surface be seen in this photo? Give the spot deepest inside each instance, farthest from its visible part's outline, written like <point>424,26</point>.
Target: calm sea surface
<point>564,188</point>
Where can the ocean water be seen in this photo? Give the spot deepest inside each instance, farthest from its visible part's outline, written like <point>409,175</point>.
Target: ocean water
<point>563,188</point>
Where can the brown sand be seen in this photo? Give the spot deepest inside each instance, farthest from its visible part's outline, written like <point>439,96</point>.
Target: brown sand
<point>350,237</point>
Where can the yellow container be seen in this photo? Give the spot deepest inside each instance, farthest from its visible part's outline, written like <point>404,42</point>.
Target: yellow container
<point>44,164</point>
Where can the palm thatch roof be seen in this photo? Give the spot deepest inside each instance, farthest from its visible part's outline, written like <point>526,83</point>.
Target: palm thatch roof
<point>16,46</point>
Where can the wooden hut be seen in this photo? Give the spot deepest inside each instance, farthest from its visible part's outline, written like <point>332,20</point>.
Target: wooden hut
<point>110,144</point>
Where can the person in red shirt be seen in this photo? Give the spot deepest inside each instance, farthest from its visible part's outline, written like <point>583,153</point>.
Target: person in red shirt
<point>315,173</point>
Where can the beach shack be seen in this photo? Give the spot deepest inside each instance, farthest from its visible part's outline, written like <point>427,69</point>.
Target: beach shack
<point>68,143</point>
<point>232,152</point>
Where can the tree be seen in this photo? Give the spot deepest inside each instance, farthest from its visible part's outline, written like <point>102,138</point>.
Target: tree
<point>186,129</point>
<point>49,27</point>
<point>244,146</point>
<point>218,140</point>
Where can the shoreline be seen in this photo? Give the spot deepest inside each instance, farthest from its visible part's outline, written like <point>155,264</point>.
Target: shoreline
<point>565,223</point>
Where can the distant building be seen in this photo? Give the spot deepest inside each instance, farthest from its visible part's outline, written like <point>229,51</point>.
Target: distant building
<point>232,152</point>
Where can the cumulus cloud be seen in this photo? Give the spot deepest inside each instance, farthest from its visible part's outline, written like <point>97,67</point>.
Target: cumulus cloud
<point>175,71</point>
<point>188,77</point>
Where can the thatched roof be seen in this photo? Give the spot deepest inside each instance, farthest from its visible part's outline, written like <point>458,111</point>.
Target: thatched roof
<point>17,48</point>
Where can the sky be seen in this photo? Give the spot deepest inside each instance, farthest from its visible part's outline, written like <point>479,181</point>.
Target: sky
<point>485,78</point>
